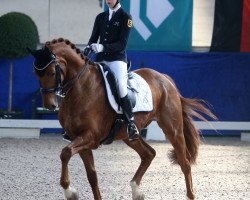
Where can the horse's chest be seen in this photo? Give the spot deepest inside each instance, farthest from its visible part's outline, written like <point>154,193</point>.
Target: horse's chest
<point>71,118</point>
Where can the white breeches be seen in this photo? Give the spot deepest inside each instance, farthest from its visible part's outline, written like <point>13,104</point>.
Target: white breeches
<point>120,70</point>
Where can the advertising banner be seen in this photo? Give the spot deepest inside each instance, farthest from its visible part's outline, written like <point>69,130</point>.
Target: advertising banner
<point>162,25</point>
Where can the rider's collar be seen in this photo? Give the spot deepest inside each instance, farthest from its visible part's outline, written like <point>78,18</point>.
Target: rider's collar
<point>115,9</point>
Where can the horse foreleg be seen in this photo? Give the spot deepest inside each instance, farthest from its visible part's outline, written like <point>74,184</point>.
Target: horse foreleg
<point>88,160</point>
<point>147,154</point>
<point>67,152</point>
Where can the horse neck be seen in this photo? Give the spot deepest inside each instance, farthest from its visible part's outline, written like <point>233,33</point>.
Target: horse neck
<point>74,67</point>
<point>88,75</point>
<point>86,93</point>
<point>91,78</point>
<point>72,60</point>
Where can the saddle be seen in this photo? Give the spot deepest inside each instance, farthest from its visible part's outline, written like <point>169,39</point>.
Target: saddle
<point>138,91</point>
<point>112,81</point>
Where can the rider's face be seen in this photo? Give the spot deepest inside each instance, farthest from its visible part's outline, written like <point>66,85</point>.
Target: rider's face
<point>111,3</point>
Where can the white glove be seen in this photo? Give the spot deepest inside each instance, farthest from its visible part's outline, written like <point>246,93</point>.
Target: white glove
<point>97,47</point>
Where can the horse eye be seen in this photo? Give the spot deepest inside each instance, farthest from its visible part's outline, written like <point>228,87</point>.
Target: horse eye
<point>51,74</point>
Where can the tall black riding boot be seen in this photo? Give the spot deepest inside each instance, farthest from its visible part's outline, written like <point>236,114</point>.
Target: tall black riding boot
<point>132,130</point>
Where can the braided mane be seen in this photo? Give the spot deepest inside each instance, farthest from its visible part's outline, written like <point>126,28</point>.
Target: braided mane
<point>67,42</point>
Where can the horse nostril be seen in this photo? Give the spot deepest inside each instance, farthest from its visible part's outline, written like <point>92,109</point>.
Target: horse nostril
<point>53,107</point>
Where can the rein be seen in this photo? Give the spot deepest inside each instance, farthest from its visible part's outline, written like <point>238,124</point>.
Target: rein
<point>64,89</point>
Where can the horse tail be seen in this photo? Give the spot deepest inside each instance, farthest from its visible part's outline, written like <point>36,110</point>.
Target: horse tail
<point>192,108</point>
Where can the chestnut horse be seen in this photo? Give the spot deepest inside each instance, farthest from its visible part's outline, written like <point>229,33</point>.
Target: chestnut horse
<point>87,117</point>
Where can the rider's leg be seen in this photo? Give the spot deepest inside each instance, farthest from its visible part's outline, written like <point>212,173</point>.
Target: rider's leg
<point>127,109</point>
<point>120,70</point>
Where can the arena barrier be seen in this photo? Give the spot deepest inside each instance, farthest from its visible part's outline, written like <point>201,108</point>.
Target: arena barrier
<point>17,128</point>
<point>155,133</point>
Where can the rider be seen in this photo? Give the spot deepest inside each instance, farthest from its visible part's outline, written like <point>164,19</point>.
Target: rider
<point>112,28</point>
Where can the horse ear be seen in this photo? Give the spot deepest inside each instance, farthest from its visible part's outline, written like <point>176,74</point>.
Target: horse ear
<point>30,51</point>
<point>47,49</point>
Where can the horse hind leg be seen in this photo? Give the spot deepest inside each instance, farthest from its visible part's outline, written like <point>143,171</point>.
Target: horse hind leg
<point>180,154</point>
<point>183,160</point>
<point>147,154</point>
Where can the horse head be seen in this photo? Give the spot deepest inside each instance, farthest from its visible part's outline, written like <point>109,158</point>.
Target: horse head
<point>50,65</point>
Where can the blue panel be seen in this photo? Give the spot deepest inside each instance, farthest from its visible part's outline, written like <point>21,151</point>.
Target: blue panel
<point>220,78</point>
<point>24,85</point>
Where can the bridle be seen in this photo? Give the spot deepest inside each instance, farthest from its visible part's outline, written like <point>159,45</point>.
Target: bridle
<point>60,89</point>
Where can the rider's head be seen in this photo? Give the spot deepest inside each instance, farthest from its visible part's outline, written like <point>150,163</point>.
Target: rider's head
<point>112,3</point>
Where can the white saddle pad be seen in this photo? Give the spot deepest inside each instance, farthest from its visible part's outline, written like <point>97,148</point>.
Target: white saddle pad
<point>143,96</point>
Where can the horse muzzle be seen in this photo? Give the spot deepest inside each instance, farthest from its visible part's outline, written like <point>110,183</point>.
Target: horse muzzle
<point>50,101</point>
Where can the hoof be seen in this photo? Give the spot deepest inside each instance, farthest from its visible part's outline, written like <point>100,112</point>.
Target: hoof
<point>71,194</point>
<point>139,197</point>
<point>136,192</point>
<point>191,197</point>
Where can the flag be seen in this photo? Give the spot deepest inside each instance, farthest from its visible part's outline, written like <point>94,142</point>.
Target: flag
<point>245,34</point>
<point>231,26</point>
